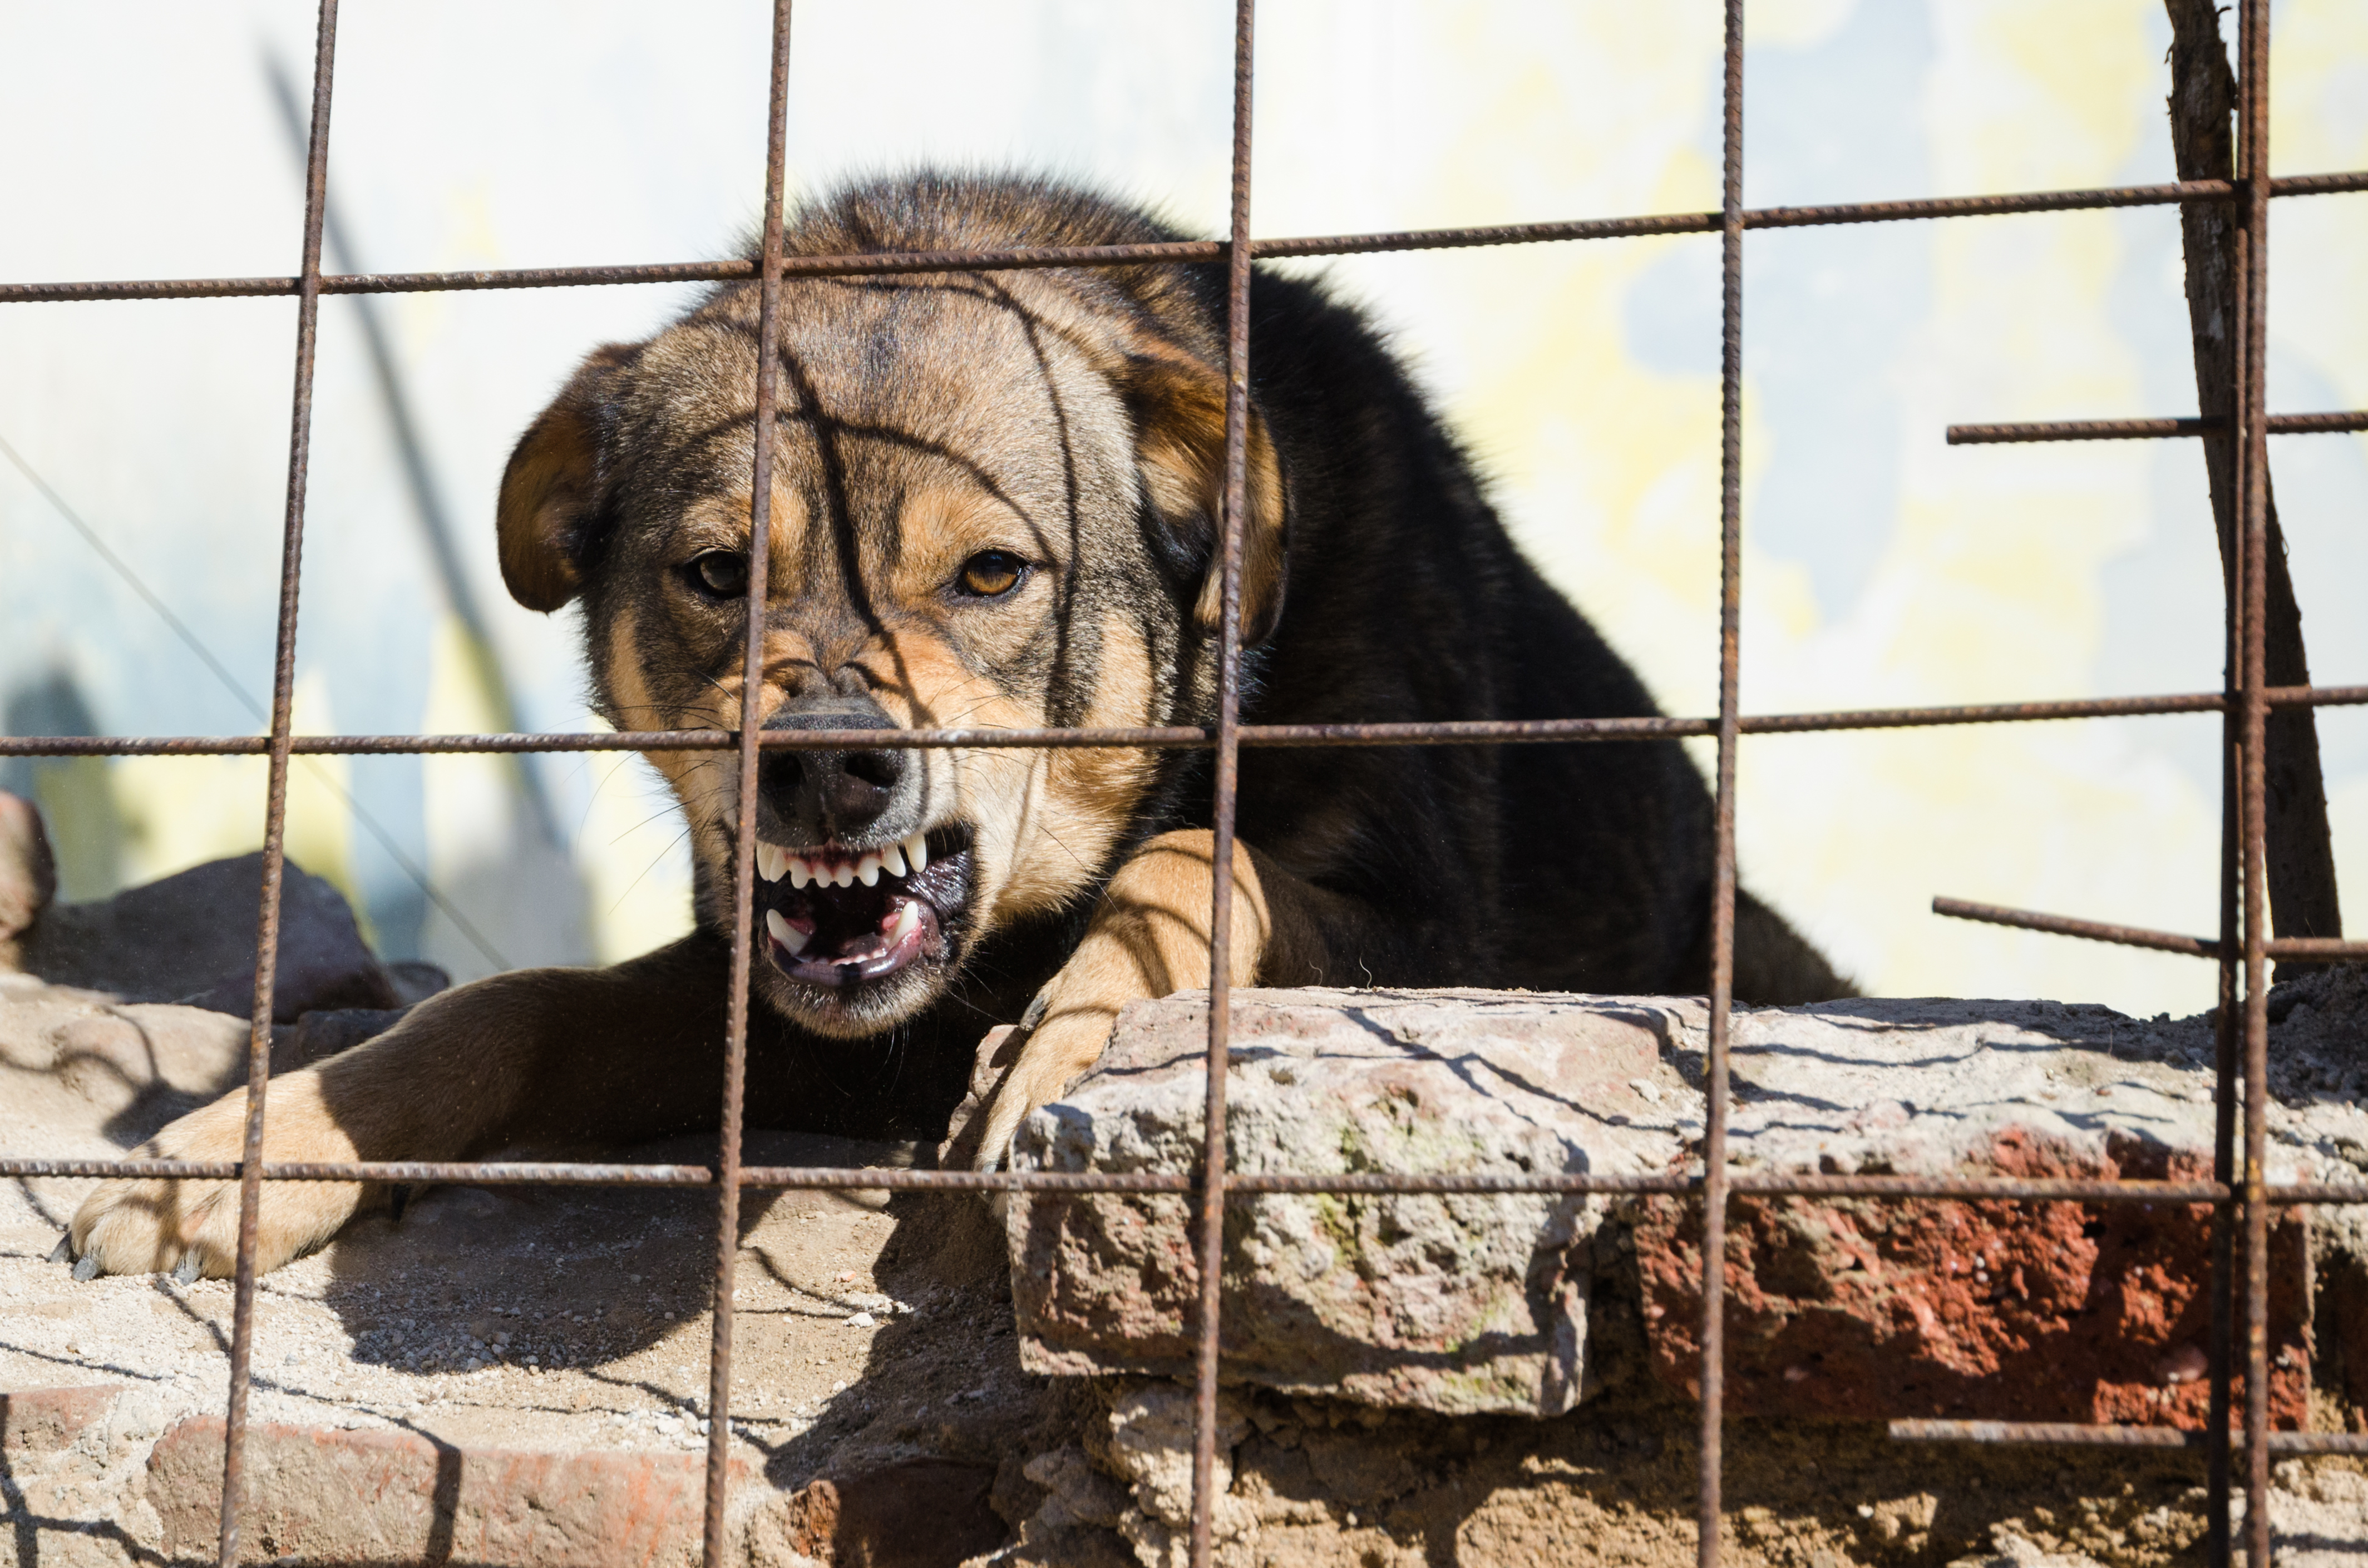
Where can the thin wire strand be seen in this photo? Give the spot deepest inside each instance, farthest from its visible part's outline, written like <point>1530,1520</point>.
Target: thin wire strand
<point>180,629</point>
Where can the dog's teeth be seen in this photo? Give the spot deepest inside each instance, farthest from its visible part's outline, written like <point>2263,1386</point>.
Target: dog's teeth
<point>867,870</point>
<point>891,859</point>
<point>917,852</point>
<point>845,875</point>
<point>782,931</point>
<point>772,862</point>
<point>908,920</point>
<point>800,872</point>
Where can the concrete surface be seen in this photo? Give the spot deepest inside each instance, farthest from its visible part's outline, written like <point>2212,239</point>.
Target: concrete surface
<point>1843,1307</point>
<point>517,1375</point>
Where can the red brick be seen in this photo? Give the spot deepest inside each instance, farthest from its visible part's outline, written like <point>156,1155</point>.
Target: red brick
<point>41,1420</point>
<point>337,1496</point>
<point>1866,1309</point>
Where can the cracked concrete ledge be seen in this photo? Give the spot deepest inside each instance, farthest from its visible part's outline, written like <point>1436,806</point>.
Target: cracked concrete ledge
<point>513,1376</point>
<point>1848,1308</point>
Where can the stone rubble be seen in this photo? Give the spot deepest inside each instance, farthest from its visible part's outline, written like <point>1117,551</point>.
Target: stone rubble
<point>518,1376</point>
<point>1841,1307</point>
<point>1462,1304</point>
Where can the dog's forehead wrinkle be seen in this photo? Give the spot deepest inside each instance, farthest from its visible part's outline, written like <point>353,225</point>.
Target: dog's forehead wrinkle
<point>997,390</point>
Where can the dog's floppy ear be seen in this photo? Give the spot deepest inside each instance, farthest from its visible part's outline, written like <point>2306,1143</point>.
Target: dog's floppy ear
<point>1178,408</point>
<point>552,483</point>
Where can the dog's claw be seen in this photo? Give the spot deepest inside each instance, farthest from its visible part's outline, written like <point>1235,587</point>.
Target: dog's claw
<point>86,1269</point>
<point>187,1271</point>
<point>63,1251</point>
<point>396,1198</point>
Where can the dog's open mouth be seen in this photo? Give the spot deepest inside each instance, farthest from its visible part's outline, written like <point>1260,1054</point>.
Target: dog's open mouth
<point>840,916</point>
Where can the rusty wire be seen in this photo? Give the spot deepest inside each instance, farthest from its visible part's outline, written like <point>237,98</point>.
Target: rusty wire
<point>721,1315</point>
<point>2325,949</point>
<point>1240,1186</point>
<point>1185,737</point>
<point>1710,1467</point>
<point>2243,943</point>
<point>2253,255</point>
<point>2072,1434</point>
<point>877,263</point>
<point>283,698</point>
<point>2137,429</point>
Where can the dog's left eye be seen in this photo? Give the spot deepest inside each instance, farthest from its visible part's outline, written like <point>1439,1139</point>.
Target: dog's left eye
<point>720,573</point>
<point>991,573</point>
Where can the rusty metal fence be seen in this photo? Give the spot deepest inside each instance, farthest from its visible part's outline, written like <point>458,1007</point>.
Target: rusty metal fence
<point>2238,1192</point>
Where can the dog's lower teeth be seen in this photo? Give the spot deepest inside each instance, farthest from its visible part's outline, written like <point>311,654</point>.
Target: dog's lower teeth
<point>908,920</point>
<point>782,931</point>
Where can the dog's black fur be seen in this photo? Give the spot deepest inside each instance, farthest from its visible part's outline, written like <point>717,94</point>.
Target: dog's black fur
<point>1073,417</point>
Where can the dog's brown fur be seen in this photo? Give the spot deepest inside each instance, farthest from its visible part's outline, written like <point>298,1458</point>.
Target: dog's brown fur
<point>1072,421</point>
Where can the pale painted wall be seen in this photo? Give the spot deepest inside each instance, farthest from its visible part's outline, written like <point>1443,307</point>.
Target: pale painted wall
<point>1882,566</point>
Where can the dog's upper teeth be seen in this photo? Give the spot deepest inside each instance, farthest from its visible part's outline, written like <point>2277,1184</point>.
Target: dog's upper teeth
<point>782,931</point>
<point>867,870</point>
<point>801,873</point>
<point>891,859</point>
<point>846,875</point>
<point>772,862</point>
<point>917,852</point>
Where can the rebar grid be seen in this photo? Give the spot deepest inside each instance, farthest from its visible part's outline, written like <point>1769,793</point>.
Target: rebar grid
<point>2242,943</point>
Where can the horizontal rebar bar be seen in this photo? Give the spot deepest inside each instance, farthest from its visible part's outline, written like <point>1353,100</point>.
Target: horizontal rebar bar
<point>2072,1433</point>
<point>1506,732</point>
<point>1970,1188</point>
<point>2140,936</point>
<point>2137,429</point>
<point>1190,251</point>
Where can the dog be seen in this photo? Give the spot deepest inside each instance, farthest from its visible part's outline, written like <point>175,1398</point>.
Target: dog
<point>995,504</point>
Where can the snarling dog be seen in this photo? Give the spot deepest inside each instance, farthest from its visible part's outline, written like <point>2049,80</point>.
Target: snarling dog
<point>995,504</point>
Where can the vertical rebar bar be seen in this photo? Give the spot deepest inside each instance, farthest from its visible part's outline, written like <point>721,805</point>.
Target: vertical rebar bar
<point>744,843</point>
<point>1226,781</point>
<point>2227,1027</point>
<point>2253,66</point>
<point>274,808</point>
<point>2219,1544</point>
<point>1722,915</point>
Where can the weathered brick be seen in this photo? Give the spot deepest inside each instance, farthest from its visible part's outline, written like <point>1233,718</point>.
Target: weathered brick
<point>319,1495</point>
<point>43,1420</point>
<point>1847,1307</point>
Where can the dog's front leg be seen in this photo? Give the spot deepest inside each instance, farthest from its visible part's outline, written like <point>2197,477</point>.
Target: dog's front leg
<point>556,1055</point>
<point>1149,937</point>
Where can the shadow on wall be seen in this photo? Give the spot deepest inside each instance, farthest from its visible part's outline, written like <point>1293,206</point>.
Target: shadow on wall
<point>88,831</point>
<point>513,898</point>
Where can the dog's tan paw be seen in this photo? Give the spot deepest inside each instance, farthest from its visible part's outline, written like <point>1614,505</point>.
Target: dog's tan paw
<point>190,1228</point>
<point>1053,1054</point>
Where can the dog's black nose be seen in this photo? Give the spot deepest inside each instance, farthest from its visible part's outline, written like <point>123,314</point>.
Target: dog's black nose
<point>822,795</point>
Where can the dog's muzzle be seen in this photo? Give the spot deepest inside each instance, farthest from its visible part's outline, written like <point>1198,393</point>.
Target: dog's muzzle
<point>855,889</point>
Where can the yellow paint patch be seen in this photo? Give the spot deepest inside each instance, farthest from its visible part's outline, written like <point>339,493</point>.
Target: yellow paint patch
<point>179,811</point>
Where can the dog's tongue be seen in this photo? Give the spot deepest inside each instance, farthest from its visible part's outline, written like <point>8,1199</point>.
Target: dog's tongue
<point>832,936</point>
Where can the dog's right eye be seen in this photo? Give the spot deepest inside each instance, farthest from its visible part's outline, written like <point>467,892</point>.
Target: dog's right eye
<point>719,574</point>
